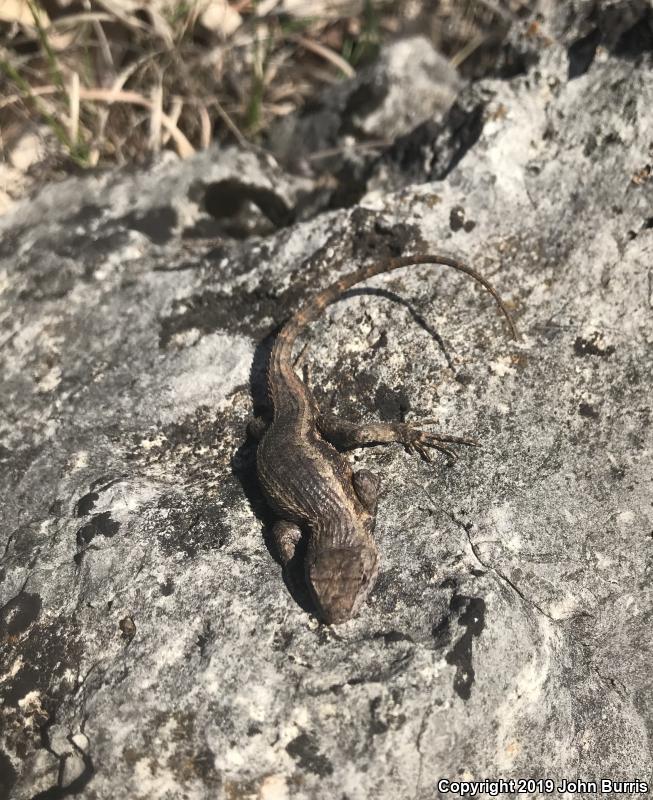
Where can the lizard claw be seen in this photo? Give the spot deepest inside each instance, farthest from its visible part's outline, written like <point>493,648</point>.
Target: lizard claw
<point>429,421</point>
<point>414,446</point>
<point>442,437</point>
<point>417,441</point>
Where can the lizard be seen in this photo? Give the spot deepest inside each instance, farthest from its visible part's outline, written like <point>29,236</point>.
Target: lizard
<point>309,484</point>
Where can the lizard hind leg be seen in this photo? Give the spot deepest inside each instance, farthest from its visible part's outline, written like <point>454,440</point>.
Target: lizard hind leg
<point>286,536</point>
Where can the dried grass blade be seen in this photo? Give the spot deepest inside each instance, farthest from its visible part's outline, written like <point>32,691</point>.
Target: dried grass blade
<point>184,147</point>
<point>206,127</point>
<point>156,112</point>
<point>73,101</point>
<point>326,53</point>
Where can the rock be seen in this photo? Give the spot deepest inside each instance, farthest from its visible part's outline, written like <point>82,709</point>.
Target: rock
<point>18,12</point>
<point>29,149</point>
<point>515,587</point>
<point>606,22</point>
<point>221,18</point>
<point>373,107</point>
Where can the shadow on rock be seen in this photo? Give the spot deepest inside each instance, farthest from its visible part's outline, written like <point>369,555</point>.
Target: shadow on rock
<point>243,466</point>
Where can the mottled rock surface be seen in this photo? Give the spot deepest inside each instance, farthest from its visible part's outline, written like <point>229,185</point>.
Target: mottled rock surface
<point>150,648</point>
<point>407,85</point>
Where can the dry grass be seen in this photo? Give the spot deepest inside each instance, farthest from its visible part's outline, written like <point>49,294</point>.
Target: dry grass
<point>114,81</point>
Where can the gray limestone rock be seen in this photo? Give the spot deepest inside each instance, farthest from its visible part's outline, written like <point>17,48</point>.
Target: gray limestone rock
<point>411,82</point>
<point>150,647</point>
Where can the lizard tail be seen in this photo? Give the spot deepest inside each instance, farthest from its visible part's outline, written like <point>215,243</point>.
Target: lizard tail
<point>314,307</point>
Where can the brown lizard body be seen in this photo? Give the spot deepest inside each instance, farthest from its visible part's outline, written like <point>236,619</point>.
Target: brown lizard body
<point>310,485</point>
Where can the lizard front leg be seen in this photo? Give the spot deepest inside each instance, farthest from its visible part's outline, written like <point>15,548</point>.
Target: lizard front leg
<point>347,435</point>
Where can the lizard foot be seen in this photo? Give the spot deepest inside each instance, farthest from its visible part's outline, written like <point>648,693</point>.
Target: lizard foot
<point>416,440</point>
<point>286,536</point>
<point>256,427</point>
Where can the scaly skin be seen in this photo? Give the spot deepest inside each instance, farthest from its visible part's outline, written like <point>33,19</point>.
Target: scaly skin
<point>310,485</point>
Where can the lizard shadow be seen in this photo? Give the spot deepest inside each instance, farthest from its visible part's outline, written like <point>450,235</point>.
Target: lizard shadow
<point>243,467</point>
<point>418,318</point>
<point>243,462</point>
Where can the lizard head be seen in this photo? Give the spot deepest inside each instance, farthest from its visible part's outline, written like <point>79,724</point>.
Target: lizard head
<point>340,579</point>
